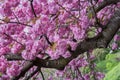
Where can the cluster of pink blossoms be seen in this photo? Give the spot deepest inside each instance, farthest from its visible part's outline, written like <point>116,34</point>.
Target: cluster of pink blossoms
<point>58,25</point>
<point>115,44</point>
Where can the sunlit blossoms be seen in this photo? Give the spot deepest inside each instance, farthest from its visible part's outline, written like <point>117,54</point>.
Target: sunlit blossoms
<point>45,28</point>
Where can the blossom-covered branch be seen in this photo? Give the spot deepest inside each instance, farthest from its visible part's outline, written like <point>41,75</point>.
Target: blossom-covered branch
<point>96,42</point>
<point>61,44</point>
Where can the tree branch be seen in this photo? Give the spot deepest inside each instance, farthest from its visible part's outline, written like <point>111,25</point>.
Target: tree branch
<point>23,71</point>
<point>106,3</point>
<point>11,57</point>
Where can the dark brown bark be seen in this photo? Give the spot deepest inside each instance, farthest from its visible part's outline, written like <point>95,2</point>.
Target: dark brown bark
<point>106,3</point>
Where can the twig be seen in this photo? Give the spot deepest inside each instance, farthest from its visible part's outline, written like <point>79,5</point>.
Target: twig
<point>67,11</point>
<point>31,3</point>
<point>79,7</point>
<point>48,40</point>
<point>11,57</point>
<point>32,74</point>
<point>42,75</point>
<point>93,8</point>
<point>13,39</point>
<point>16,17</point>
<point>16,23</point>
<point>80,73</point>
<point>91,66</point>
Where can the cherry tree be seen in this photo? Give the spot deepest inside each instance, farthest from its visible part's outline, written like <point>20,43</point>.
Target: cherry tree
<point>37,34</point>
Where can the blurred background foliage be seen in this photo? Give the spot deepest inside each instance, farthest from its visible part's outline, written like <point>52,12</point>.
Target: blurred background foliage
<point>108,62</point>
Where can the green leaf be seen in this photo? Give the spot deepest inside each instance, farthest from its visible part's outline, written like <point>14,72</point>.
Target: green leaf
<point>113,74</point>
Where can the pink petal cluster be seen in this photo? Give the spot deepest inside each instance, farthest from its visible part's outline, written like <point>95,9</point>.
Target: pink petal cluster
<point>50,29</point>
